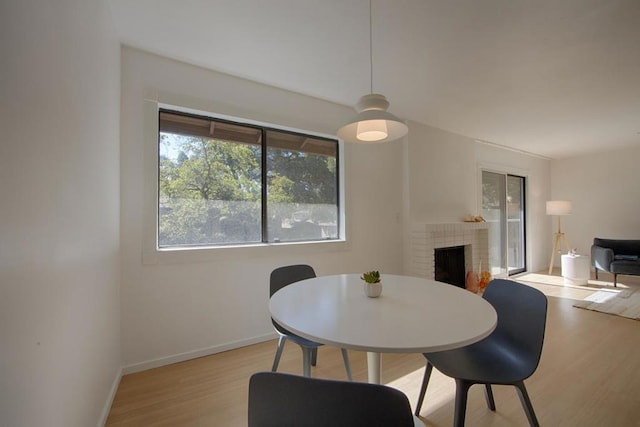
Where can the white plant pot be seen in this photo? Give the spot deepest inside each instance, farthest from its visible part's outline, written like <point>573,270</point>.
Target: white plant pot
<point>373,290</point>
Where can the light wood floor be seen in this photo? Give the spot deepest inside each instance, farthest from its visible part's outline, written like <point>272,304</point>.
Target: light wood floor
<point>589,375</point>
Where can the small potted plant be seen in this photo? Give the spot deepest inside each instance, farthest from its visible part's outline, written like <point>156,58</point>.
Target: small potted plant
<point>372,283</point>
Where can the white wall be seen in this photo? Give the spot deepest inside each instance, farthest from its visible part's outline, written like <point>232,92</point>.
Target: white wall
<point>182,308</point>
<point>59,210</point>
<point>444,184</point>
<point>177,308</point>
<point>605,192</point>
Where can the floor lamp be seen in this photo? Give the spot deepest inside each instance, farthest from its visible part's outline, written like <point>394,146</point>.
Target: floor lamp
<point>558,208</point>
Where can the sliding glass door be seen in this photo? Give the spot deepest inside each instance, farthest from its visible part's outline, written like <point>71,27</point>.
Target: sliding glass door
<point>503,207</point>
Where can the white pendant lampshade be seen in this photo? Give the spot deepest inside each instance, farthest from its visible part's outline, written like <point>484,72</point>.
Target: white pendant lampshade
<point>373,122</point>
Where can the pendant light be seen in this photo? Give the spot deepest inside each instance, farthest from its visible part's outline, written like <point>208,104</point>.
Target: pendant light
<point>374,123</point>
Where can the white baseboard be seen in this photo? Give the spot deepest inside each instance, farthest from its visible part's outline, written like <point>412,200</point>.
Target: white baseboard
<point>168,360</point>
<point>110,397</point>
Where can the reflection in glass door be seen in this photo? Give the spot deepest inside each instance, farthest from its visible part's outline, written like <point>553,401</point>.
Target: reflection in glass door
<point>503,207</point>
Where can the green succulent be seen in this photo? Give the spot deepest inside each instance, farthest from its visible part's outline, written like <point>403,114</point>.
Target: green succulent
<point>371,276</point>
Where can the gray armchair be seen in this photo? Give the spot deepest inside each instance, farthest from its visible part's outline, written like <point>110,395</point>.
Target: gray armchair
<point>616,256</point>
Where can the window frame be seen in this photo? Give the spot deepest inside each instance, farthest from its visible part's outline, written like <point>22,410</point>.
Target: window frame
<point>153,254</point>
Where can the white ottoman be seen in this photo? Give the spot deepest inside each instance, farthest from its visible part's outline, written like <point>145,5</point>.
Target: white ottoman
<point>575,269</point>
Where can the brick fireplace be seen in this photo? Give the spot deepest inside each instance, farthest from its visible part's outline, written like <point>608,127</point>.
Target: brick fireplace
<point>425,238</point>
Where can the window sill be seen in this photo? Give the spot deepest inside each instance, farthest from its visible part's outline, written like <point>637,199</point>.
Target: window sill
<point>234,252</point>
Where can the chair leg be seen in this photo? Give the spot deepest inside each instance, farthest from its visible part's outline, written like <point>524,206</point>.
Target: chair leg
<point>462,389</point>
<point>615,280</point>
<point>347,366</point>
<point>307,354</point>
<point>488,394</point>
<point>596,269</point>
<point>276,360</point>
<point>526,404</point>
<point>423,389</point>
<point>314,356</point>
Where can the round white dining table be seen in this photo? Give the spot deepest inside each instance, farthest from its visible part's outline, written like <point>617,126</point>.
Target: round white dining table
<point>413,315</point>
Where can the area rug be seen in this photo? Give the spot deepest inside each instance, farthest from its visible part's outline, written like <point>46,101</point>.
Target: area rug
<point>624,302</point>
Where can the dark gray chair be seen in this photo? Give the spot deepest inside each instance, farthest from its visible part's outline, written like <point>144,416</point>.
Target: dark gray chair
<point>285,400</point>
<point>616,256</point>
<point>508,356</point>
<point>284,276</point>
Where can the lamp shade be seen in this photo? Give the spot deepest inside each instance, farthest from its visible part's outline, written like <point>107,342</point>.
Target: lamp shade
<point>373,122</point>
<point>558,207</point>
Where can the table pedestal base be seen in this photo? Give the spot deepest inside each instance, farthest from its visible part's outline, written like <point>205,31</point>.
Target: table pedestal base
<point>374,373</point>
<point>374,367</point>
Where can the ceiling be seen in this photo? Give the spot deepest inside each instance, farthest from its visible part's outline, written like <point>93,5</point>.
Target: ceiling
<point>556,78</point>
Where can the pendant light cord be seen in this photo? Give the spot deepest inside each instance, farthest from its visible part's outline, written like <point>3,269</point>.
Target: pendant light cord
<point>370,47</point>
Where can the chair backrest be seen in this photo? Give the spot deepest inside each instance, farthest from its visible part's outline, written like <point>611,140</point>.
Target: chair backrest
<point>522,315</point>
<point>283,276</point>
<point>283,400</point>
<point>619,246</point>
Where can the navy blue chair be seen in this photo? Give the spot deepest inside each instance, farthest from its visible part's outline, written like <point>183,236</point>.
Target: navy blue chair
<point>508,356</point>
<point>286,400</point>
<point>284,276</point>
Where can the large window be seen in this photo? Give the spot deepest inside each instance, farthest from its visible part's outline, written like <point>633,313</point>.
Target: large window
<point>223,183</point>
